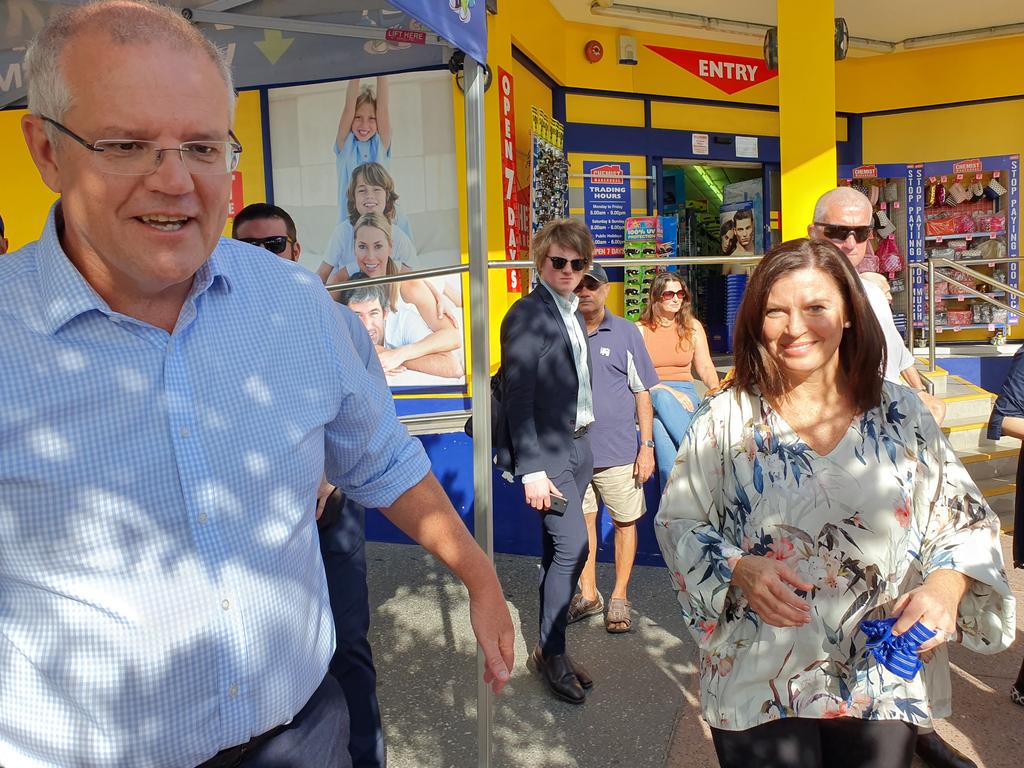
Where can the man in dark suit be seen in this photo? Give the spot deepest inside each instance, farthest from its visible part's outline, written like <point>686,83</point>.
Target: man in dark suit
<point>547,407</point>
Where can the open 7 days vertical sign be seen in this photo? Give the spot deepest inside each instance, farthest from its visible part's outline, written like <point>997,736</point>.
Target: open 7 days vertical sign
<point>509,184</point>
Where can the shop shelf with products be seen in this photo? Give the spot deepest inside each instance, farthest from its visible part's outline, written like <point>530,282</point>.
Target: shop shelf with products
<point>889,187</point>
<point>969,213</point>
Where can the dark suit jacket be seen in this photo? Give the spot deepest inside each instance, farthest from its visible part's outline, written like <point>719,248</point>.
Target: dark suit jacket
<point>539,387</point>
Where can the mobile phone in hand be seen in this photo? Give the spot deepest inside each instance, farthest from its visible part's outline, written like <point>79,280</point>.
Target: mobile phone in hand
<point>557,505</point>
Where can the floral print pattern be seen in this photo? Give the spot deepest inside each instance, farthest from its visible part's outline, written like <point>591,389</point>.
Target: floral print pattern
<point>864,524</point>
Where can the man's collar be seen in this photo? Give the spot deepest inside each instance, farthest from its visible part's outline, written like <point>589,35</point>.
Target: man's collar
<point>562,301</point>
<point>66,294</point>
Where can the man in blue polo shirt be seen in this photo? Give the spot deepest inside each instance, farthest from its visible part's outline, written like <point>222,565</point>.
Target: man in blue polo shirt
<point>623,376</point>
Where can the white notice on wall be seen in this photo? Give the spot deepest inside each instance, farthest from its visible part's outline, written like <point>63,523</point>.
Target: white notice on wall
<point>746,146</point>
<point>700,143</point>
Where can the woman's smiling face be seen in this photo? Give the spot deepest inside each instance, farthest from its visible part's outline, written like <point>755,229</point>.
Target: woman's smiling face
<point>803,323</point>
<point>372,251</point>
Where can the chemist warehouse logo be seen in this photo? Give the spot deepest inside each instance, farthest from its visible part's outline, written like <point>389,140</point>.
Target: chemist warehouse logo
<point>730,74</point>
<point>607,174</point>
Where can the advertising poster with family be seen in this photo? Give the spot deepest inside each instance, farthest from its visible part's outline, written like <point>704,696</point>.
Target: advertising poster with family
<point>367,169</point>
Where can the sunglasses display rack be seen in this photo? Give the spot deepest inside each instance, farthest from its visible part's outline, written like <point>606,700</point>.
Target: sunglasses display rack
<point>889,188</point>
<point>549,171</point>
<point>969,212</point>
<point>644,238</point>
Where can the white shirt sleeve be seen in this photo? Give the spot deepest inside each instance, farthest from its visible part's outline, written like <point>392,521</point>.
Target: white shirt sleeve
<point>897,356</point>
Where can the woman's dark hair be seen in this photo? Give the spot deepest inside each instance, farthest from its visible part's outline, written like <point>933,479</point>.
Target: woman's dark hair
<point>861,351</point>
<point>684,317</point>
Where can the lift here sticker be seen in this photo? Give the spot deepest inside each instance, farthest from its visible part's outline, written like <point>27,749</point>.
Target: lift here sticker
<point>730,74</point>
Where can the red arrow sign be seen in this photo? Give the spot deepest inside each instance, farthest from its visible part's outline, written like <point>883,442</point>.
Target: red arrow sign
<point>730,74</point>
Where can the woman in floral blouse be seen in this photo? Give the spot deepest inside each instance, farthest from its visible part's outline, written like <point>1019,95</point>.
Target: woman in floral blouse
<point>808,496</point>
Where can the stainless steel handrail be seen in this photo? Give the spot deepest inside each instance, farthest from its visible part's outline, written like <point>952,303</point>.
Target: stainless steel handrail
<point>961,266</point>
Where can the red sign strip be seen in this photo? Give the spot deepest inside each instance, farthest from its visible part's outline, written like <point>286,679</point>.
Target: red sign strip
<point>509,185</point>
<point>725,72</point>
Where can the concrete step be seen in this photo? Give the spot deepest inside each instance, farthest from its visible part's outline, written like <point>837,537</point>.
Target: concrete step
<point>1001,494</point>
<point>964,400</point>
<point>986,464</point>
<point>969,434</point>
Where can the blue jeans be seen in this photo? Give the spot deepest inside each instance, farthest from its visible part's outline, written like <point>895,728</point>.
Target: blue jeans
<point>670,422</point>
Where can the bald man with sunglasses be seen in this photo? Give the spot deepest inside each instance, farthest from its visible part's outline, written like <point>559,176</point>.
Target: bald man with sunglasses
<point>842,216</point>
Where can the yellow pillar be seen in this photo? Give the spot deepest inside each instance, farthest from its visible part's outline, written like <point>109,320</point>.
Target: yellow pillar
<point>807,108</point>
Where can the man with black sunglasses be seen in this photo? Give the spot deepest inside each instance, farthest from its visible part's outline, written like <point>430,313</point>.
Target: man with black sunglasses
<point>547,409</point>
<point>267,226</point>
<point>843,217</point>
<point>341,524</point>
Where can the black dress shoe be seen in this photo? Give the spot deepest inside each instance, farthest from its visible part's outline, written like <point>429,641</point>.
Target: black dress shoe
<point>586,681</point>
<point>937,753</point>
<point>559,674</point>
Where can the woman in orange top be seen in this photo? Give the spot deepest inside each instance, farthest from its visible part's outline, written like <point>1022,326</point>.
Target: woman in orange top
<point>677,345</point>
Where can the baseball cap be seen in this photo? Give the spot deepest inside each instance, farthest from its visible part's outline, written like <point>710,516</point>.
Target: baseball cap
<point>597,272</point>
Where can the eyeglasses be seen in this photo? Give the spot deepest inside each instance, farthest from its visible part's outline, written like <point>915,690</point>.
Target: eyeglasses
<point>578,265</point>
<point>669,295</point>
<point>839,232</point>
<point>275,244</point>
<point>135,157</point>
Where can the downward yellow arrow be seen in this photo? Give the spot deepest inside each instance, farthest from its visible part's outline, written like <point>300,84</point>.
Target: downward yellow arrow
<point>273,45</point>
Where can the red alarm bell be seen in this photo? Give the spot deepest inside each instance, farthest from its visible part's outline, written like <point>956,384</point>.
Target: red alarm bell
<point>594,51</point>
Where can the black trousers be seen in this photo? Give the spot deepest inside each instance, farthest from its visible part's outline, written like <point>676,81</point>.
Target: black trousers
<point>565,548</point>
<point>844,742</point>
<point>343,548</point>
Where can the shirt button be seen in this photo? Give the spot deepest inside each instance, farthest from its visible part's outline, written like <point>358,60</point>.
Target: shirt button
<point>233,691</point>
<point>203,518</point>
<point>225,604</point>
<point>184,432</point>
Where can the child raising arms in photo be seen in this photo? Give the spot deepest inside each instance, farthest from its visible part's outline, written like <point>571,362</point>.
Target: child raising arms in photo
<point>364,134</point>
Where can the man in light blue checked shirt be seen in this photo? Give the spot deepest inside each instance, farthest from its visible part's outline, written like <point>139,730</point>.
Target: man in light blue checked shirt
<point>168,402</point>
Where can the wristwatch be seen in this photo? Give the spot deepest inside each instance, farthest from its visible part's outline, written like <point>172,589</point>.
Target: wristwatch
<point>647,443</point>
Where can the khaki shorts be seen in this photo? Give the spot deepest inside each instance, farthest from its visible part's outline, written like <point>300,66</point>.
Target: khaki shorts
<point>618,489</point>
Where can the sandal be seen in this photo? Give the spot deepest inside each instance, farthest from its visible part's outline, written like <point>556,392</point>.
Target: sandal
<point>581,609</point>
<point>618,620</point>
<point>1016,695</point>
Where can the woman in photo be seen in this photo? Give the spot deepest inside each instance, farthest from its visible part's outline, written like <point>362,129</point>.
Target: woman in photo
<point>807,497</point>
<point>373,247</point>
<point>678,346</point>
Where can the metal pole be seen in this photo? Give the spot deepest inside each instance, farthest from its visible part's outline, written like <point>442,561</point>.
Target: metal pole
<point>931,317</point>
<point>476,210</point>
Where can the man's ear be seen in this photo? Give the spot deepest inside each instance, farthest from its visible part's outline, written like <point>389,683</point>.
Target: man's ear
<point>296,251</point>
<point>810,232</point>
<point>44,154</point>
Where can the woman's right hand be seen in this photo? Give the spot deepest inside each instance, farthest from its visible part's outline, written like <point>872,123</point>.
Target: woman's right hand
<point>768,587</point>
<point>683,399</point>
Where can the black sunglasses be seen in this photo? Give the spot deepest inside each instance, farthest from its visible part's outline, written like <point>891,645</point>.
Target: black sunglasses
<point>578,265</point>
<point>588,283</point>
<point>839,232</point>
<point>275,244</point>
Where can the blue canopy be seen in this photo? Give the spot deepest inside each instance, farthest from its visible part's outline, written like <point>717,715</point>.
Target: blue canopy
<point>272,42</point>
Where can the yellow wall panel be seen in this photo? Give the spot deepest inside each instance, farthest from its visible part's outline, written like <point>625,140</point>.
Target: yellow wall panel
<point>945,134</point>
<point>841,129</point>
<point>700,117</point>
<point>602,110</point>
<point>24,199</point>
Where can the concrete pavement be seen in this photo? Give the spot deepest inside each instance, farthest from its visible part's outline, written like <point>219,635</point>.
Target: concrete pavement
<point>644,708</point>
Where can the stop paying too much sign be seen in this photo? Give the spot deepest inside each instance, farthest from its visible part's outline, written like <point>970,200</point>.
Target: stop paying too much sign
<point>727,73</point>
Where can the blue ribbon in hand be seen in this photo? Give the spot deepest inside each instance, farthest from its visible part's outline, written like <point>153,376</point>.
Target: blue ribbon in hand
<point>897,653</point>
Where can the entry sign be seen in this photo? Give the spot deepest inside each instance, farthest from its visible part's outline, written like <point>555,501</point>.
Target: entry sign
<point>606,194</point>
<point>509,185</point>
<point>730,74</point>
